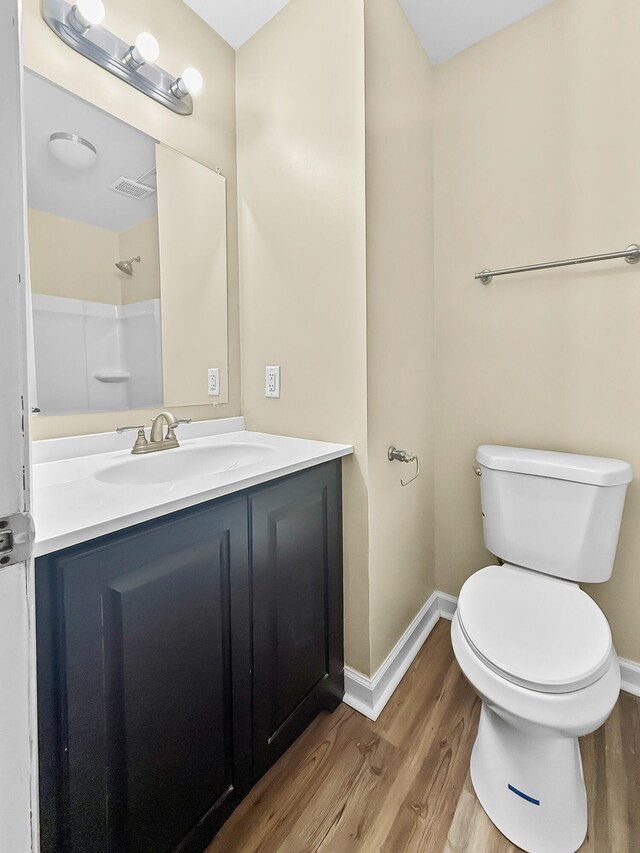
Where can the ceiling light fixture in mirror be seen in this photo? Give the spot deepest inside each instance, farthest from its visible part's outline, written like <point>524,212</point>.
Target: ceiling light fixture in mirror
<point>80,27</point>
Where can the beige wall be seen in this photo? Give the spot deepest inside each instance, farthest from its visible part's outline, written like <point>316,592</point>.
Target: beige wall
<point>207,136</point>
<point>355,344</point>
<point>72,259</point>
<point>76,260</point>
<point>300,92</point>
<point>140,241</point>
<point>400,333</point>
<point>537,159</point>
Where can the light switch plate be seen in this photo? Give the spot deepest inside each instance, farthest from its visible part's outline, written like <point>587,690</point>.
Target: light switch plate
<point>272,381</point>
<point>213,381</point>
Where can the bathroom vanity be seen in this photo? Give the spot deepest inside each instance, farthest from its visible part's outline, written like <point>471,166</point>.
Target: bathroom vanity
<point>183,648</point>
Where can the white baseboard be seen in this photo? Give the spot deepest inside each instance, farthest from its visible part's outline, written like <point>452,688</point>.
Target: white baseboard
<point>447,604</point>
<point>370,695</point>
<point>630,674</point>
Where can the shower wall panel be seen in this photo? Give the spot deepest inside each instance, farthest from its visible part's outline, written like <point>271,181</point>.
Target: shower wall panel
<point>96,357</point>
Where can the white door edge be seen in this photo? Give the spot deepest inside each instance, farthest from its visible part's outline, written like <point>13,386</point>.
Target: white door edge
<point>19,825</point>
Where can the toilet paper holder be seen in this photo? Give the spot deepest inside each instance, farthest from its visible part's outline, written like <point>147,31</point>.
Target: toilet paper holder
<point>395,455</point>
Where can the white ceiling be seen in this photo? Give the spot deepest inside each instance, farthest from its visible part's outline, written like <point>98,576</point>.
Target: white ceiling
<point>236,20</point>
<point>83,195</point>
<point>447,27</point>
<point>444,27</point>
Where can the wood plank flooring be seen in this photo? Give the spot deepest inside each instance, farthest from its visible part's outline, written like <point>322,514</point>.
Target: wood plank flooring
<point>401,784</point>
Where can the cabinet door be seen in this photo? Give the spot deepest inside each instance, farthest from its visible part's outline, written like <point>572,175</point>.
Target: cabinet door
<point>146,703</point>
<point>297,607</point>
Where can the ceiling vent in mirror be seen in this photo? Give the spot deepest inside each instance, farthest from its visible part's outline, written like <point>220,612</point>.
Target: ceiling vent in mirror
<point>131,189</point>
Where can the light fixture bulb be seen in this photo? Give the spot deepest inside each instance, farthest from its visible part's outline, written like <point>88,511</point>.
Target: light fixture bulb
<point>146,48</point>
<point>192,80</point>
<point>85,14</point>
<point>189,83</point>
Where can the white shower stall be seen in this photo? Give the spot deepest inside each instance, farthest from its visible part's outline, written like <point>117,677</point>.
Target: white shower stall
<point>95,356</point>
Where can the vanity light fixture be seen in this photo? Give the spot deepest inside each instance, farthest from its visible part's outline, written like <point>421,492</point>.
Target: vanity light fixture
<point>79,25</point>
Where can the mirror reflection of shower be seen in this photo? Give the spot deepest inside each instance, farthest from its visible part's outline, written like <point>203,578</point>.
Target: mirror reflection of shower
<point>97,330</point>
<point>127,266</point>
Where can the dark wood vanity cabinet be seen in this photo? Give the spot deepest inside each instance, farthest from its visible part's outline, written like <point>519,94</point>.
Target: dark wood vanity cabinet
<point>144,677</point>
<point>179,658</point>
<point>296,539</point>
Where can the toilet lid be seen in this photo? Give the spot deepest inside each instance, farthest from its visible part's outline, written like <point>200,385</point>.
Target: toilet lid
<point>534,630</point>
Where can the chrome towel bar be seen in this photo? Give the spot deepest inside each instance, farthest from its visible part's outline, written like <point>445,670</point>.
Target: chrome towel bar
<point>631,255</point>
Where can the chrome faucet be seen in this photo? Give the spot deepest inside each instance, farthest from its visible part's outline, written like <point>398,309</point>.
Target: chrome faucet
<point>157,439</point>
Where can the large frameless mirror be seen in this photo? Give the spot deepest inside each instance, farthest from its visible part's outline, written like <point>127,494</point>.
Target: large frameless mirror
<point>127,246</point>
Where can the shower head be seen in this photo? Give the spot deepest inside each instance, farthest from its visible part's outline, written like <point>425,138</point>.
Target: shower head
<point>127,266</point>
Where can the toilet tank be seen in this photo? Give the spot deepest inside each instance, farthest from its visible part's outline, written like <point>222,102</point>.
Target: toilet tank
<point>557,513</point>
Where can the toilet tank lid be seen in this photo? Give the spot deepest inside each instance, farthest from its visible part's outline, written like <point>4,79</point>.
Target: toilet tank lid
<point>594,470</point>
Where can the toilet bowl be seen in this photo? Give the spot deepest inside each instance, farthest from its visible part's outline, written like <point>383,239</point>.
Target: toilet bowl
<point>525,767</point>
<point>536,648</point>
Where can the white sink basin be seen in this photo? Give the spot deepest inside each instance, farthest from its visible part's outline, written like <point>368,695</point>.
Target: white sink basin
<point>182,463</point>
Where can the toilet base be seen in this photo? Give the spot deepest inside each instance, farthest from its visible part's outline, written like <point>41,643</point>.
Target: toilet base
<point>531,785</point>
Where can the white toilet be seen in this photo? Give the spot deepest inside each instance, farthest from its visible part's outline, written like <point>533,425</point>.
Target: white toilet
<point>536,648</point>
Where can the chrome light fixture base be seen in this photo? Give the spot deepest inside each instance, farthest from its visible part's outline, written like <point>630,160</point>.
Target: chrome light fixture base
<point>110,52</point>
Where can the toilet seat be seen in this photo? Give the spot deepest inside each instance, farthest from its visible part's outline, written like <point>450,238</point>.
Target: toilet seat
<point>536,631</point>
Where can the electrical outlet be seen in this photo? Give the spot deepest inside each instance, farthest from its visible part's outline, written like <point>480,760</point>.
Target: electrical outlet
<point>213,381</point>
<point>272,382</point>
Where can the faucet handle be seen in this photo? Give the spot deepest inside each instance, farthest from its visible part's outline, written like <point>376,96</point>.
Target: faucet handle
<point>181,421</point>
<point>141,440</point>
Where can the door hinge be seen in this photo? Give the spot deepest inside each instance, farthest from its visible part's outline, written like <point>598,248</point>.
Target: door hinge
<point>17,535</point>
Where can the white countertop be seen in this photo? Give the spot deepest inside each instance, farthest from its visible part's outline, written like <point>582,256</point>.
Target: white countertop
<point>70,505</point>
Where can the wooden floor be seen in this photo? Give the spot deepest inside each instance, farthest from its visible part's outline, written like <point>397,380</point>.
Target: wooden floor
<point>402,783</point>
